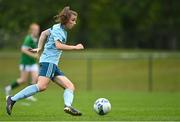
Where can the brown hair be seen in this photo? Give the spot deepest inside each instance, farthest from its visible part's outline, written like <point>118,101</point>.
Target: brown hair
<point>64,15</point>
<point>31,27</point>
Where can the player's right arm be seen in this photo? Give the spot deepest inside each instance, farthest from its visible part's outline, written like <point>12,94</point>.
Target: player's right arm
<point>42,39</point>
<point>28,52</point>
<point>26,46</point>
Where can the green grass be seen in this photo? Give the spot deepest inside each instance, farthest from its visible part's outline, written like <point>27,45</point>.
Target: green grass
<point>125,106</point>
<point>119,70</point>
<point>122,80</point>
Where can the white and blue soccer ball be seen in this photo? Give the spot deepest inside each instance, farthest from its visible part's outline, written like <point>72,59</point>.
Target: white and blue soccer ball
<point>102,106</point>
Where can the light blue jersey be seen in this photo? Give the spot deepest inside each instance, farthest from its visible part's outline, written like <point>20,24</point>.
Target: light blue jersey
<point>51,54</point>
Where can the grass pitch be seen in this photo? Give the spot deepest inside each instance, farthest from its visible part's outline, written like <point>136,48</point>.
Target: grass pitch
<point>124,82</point>
<point>126,106</point>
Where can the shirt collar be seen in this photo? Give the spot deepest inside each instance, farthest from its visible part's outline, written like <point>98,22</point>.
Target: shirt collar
<point>62,26</point>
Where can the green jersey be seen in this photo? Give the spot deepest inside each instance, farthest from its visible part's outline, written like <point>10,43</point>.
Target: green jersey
<point>28,43</point>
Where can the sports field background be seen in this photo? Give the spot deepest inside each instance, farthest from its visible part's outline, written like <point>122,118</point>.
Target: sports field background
<point>120,76</point>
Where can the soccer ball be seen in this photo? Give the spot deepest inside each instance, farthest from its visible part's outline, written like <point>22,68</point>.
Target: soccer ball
<point>102,106</point>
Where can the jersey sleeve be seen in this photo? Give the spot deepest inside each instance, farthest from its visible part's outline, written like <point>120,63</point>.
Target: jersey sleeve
<point>57,35</point>
<point>26,43</point>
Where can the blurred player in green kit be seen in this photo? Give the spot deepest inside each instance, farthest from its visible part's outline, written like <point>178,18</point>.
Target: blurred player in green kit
<point>28,66</point>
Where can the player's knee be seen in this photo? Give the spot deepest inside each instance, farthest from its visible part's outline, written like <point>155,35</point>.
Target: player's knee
<point>42,87</point>
<point>71,86</point>
<point>34,81</point>
<point>21,80</point>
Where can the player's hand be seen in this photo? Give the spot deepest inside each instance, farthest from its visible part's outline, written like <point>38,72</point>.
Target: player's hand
<point>36,50</point>
<point>79,47</point>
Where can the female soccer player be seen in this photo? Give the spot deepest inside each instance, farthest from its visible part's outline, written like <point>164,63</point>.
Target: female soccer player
<point>28,66</point>
<point>55,43</point>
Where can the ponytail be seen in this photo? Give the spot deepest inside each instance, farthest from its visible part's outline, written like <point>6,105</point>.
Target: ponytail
<point>64,15</point>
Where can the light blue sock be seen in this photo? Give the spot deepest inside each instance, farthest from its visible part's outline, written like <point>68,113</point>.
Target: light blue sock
<point>68,97</point>
<point>26,92</point>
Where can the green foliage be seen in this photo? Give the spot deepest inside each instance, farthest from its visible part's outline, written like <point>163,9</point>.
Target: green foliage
<point>102,24</point>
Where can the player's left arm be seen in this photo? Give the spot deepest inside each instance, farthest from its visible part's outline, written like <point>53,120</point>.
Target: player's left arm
<point>61,46</point>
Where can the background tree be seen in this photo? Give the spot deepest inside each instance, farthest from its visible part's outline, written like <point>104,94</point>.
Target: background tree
<point>149,24</point>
